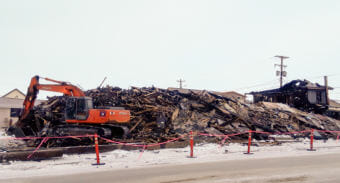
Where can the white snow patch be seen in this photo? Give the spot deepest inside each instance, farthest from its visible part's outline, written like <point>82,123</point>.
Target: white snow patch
<point>121,159</point>
<point>8,141</point>
<point>2,133</point>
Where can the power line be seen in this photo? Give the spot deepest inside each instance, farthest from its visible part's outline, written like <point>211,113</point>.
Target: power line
<point>257,85</point>
<point>320,76</point>
<point>332,75</point>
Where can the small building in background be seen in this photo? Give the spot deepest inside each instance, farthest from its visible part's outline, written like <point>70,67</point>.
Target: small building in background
<point>14,94</point>
<point>301,94</point>
<point>11,105</point>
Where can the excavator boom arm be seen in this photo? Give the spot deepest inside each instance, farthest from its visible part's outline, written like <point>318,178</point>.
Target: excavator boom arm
<point>35,86</point>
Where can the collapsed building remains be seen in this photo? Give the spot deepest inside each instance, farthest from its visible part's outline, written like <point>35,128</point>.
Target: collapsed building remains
<point>159,114</point>
<point>301,94</point>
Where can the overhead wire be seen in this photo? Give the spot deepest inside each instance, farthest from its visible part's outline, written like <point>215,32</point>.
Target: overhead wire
<point>257,85</point>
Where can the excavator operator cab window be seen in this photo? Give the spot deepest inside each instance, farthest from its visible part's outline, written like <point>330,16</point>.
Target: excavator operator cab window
<point>78,108</point>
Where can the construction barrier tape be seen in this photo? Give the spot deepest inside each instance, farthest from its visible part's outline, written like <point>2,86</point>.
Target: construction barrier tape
<point>219,135</point>
<point>144,146</point>
<point>223,141</point>
<point>268,133</point>
<point>290,133</point>
<point>44,140</point>
<point>141,153</point>
<point>327,131</point>
<point>36,138</point>
<point>36,149</point>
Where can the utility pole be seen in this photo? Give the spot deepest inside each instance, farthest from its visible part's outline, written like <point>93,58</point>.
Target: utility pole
<point>281,73</point>
<point>180,81</point>
<point>326,88</point>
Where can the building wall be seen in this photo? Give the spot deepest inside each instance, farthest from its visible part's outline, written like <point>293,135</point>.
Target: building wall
<point>4,117</point>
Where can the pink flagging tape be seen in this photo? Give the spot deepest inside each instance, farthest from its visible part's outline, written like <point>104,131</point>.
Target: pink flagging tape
<point>223,141</point>
<point>202,134</point>
<point>45,139</point>
<point>211,135</point>
<point>121,143</point>
<point>37,148</point>
<point>289,133</point>
<point>172,140</point>
<point>327,131</point>
<point>36,138</point>
<point>223,135</point>
<point>259,132</point>
<point>141,153</point>
<point>141,145</point>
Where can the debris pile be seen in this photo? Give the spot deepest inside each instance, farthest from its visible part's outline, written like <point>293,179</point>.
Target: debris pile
<point>160,114</point>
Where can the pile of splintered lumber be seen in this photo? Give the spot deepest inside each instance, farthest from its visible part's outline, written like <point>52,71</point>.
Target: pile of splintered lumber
<point>161,114</point>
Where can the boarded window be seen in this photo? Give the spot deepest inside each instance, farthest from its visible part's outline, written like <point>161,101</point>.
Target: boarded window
<point>15,112</point>
<point>312,97</point>
<point>317,97</point>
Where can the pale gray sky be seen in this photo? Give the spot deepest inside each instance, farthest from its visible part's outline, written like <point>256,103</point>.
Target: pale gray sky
<point>213,44</point>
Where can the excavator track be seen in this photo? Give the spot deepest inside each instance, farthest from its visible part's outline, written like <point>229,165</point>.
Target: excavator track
<point>107,131</point>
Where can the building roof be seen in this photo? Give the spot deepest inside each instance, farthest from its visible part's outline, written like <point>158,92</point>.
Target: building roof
<point>14,103</point>
<point>230,94</point>
<point>17,90</point>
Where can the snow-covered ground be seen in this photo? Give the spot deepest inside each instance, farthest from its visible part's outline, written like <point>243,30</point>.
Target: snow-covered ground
<point>5,141</point>
<point>121,159</point>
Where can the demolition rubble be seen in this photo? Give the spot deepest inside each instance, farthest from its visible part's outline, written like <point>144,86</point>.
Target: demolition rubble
<point>161,114</point>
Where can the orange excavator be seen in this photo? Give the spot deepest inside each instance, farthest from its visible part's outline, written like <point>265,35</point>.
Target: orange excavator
<point>80,116</point>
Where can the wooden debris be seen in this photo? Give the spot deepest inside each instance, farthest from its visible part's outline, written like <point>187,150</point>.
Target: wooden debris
<point>160,114</point>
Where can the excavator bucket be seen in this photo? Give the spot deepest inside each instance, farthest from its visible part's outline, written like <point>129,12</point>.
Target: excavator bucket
<point>16,131</point>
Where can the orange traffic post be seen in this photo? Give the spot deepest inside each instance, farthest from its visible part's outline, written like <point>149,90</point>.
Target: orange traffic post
<point>311,140</point>
<point>191,145</point>
<point>97,150</point>
<point>249,142</point>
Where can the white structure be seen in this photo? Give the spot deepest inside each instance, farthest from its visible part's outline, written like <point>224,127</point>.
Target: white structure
<point>10,107</point>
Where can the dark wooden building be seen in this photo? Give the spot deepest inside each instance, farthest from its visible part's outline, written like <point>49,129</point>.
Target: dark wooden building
<point>301,94</point>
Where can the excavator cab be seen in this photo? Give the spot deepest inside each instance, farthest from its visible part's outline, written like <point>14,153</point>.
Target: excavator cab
<point>77,108</point>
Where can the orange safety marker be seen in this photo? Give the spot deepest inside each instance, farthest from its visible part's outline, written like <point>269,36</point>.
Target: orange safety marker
<point>97,150</point>
<point>311,140</point>
<point>191,145</point>
<point>249,142</point>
